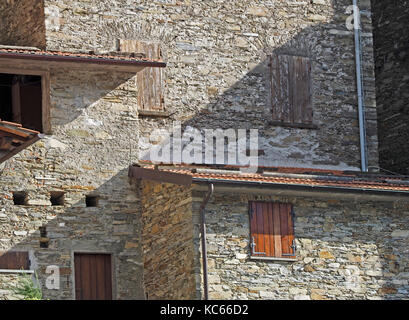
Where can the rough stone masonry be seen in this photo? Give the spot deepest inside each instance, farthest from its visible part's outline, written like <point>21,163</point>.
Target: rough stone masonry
<point>216,77</point>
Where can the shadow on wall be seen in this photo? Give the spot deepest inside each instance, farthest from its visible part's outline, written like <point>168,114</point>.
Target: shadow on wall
<point>108,222</point>
<point>245,104</point>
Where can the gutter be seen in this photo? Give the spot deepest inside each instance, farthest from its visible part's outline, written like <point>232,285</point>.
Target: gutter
<point>203,232</point>
<point>305,187</point>
<point>359,81</point>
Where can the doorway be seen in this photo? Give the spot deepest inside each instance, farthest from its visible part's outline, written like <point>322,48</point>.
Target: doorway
<point>93,276</point>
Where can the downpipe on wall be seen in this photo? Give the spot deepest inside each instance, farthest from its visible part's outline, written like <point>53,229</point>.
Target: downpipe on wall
<point>359,80</point>
<point>203,233</point>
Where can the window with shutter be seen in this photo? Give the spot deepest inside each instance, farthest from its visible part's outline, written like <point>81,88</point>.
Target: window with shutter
<point>150,81</point>
<point>272,230</point>
<point>291,90</point>
<point>14,261</point>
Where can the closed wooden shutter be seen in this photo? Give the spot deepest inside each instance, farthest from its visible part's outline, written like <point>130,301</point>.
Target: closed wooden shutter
<point>14,261</point>
<point>150,81</point>
<point>272,230</point>
<point>291,89</point>
<point>93,279</point>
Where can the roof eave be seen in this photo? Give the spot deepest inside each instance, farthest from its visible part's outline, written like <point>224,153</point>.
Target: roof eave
<point>72,61</point>
<point>303,187</point>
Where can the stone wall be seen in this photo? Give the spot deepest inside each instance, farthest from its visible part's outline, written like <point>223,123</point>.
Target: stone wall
<point>8,281</point>
<point>392,66</point>
<point>347,249</point>
<point>22,23</point>
<point>217,74</point>
<point>167,241</point>
<point>92,144</point>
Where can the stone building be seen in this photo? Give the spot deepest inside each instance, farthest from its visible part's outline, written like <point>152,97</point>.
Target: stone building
<point>85,84</point>
<point>392,67</point>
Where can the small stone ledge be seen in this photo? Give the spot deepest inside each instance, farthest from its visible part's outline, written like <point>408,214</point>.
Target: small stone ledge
<point>294,125</point>
<point>271,259</point>
<point>146,113</point>
<point>16,271</point>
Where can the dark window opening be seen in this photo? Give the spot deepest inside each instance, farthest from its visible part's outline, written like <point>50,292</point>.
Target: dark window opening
<point>44,241</point>
<point>91,201</point>
<point>21,100</point>
<point>20,198</point>
<point>57,198</point>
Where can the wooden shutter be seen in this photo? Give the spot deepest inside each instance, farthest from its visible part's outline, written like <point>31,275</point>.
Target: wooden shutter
<point>93,279</point>
<point>291,89</point>
<point>14,261</point>
<point>272,230</point>
<point>149,80</point>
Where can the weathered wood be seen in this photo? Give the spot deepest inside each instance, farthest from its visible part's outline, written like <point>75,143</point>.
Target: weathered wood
<point>291,89</point>
<point>149,81</point>
<point>93,278</point>
<point>14,260</point>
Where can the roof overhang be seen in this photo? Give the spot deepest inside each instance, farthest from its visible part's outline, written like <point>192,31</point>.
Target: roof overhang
<point>300,190</point>
<point>348,187</point>
<point>14,138</point>
<point>52,59</point>
<point>159,176</point>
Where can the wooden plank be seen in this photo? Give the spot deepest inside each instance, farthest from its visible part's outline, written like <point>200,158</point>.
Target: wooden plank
<point>285,244</point>
<point>266,237</point>
<point>86,277</point>
<point>16,103</point>
<point>260,238</point>
<point>100,277</point>
<point>78,278</point>
<point>93,277</point>
<point>5,143</point>
<point>150,80</point>
<point>108,277</point>
<point>308,111</point>
<point>253,223</point>
<point>14,261</point>
<point>291,89</point>
<point>277,230</point>
<point>301,79</point>
<point>280,87</point>
<point>271,229</point>
<point>291,236</point>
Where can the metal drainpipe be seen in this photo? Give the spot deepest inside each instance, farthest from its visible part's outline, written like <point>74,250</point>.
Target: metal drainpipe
<point>361,110</point>
<point>203,232</point>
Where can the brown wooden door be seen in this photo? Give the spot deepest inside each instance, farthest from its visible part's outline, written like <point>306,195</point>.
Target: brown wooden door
<point>93,279</point>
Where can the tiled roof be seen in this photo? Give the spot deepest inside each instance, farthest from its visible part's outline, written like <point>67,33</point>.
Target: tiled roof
<point>14,138</point>
<point>297,177</point>
<point>118,58</point>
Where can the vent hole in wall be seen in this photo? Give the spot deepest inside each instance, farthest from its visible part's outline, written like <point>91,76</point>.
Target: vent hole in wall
<point>91,200</point>
<point>57,198</point>
<point>20,198</point>
<point>44,241</point>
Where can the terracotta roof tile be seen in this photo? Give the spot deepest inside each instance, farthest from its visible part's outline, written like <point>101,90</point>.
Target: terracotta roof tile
<point>80,56</point>
<point>292,176</point>
<point>14,138</point>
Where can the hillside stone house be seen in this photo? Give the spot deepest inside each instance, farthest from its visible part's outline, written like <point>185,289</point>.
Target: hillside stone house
<point>83,86</point>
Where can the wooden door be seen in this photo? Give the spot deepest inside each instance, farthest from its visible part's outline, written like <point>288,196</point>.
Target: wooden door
<point>93,278</point>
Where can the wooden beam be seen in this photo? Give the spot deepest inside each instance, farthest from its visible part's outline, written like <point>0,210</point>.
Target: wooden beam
<point>160,176</point>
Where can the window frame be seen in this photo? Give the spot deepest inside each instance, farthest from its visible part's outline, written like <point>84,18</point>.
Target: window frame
<point>45,87</point>
<point>254,254</point>
<point>274,60</point>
